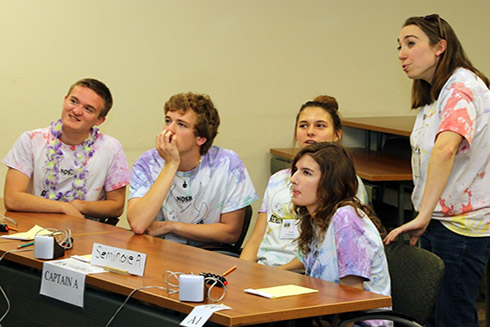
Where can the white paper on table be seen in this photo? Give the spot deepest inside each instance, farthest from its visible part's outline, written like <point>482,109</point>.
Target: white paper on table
<point>29,235</point>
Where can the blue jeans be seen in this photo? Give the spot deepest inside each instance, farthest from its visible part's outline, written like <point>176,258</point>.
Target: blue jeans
<point>464,259</point>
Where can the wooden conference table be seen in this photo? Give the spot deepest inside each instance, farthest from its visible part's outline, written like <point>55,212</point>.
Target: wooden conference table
<point>385,166</point>
<point>394,125</point>
<point>370,165</point>
<point>154,303</point>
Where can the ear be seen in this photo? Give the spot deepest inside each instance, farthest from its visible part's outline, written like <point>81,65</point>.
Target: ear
<point>337,136</point>
<point>440,47</point>
<point>201,140</point>
<point>100,120</point>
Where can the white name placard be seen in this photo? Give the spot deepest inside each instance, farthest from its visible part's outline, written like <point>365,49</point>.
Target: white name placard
<point>107,256</point>
<point>201,313</point>
<point>64,280</point>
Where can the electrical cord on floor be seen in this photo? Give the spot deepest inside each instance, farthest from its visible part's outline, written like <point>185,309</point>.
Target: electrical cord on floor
<point>169,291</point>
<point>1,288</point>
<point>63,237</point>
<point>172,288</point>
<point>169,275</point>
<point>127,299</point>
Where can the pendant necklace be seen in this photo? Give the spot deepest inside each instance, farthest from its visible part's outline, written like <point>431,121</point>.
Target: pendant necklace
<point>184,184</point>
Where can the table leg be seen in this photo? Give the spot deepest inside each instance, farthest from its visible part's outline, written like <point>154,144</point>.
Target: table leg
<point>367,140</point>
<point>379,142</point>
<point>401,203</point>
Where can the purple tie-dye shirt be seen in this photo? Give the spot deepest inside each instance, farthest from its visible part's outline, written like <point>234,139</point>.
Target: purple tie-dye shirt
<point>352,246</point>
<point>220,184</point>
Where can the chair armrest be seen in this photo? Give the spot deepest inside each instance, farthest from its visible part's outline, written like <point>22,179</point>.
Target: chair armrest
<point>222,248</point>
<point>376,314</point>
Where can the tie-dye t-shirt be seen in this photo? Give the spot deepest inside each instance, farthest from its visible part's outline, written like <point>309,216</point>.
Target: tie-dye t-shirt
<point>352,246</point>
<point>463,107</point>
<point>275,249</point>
<point>107,168</point>
<point>220,184</point>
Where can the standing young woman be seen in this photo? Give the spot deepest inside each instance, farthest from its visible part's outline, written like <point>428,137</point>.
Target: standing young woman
<point>271,242</point>
<point>450,163</point>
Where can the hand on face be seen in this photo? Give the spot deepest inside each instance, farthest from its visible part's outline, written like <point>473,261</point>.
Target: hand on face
<point>166,145</point>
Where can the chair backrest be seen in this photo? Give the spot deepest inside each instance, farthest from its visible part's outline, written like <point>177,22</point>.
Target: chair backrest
<point>416,276</point>
<point>246,224</point>
<point>397,146</point>
<point>110,221</point>
<point>236,248</point>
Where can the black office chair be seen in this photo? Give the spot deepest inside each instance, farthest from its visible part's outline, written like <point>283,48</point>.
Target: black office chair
<point>236,248</point>
<point>109,221</point>
<point>397,146</point>
<point>416,277</point>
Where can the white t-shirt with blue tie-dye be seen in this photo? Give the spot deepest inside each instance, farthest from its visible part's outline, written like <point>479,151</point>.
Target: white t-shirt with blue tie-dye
<point>220,184</point>
<point>352,246</point>
<point>275,250</point>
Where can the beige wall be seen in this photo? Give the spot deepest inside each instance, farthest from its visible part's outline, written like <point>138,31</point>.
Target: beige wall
<point>259,61</point>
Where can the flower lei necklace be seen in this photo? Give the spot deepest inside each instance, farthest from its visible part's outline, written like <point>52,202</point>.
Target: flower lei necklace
<point>55,154</point>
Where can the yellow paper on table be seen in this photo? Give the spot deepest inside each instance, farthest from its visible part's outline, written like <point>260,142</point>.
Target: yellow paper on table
<point>29,235</point>
<point>280,291</point>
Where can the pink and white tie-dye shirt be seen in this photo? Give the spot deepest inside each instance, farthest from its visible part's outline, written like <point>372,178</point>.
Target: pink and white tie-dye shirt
<point>107,168</point>
<point>463,107</point>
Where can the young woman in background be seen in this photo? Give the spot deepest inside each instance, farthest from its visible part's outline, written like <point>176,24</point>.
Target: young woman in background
<point>271,242</point>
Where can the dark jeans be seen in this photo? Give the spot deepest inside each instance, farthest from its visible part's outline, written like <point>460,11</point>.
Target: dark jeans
<point>464,259</point>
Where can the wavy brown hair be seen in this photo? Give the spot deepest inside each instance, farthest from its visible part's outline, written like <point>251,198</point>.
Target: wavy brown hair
<point>207,117</point>
<point>337,188</point>
<point>453,57</point>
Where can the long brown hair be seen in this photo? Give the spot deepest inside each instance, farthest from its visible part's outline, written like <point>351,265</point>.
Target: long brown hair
<point>453,57</point>
<point>337,188</point>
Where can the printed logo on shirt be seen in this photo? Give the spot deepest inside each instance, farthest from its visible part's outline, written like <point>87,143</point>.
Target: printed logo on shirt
<point>184,199</point>
<point>275,219</point>
<point>65,172</point>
